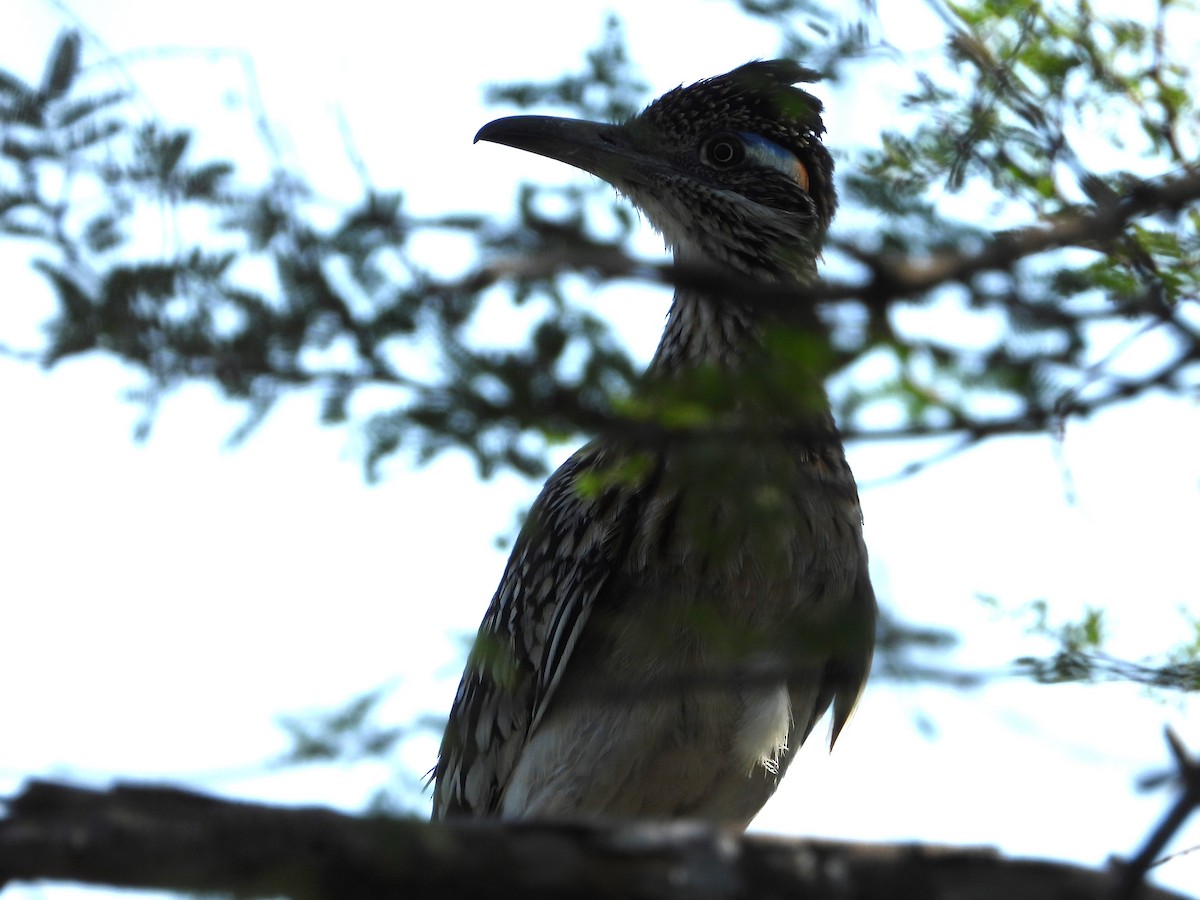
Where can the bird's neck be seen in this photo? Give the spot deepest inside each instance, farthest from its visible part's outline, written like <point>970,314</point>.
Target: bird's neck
<point>724,333</point>
<point>707,327</point>
<point>706,331</point>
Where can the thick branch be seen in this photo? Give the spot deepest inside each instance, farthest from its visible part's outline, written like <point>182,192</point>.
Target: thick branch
<point>176,840</point>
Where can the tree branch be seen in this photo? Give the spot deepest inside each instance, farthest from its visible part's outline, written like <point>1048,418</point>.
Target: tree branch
<point>891,278</point>
<point>164,838</point>
<point>1186,804</point>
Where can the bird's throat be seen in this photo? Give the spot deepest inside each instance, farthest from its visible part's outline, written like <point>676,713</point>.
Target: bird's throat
<point>721,370</point>
<point>706,331</point>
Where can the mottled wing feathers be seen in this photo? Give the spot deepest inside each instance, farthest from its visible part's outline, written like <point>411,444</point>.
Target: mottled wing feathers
<point>852,643</point>
<point>847,674</point>
<point>569,547</point>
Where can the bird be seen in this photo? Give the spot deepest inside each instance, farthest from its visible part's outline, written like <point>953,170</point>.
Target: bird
<point>681,607</point>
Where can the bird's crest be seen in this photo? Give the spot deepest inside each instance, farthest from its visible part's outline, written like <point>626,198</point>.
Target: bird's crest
<point>761,98</point>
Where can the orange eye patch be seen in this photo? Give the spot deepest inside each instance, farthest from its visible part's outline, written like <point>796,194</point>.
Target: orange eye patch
<point>802,176</point>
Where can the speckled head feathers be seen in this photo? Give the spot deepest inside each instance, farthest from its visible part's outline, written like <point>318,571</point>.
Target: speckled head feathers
<point>730,170</point>
<point>761,98</point>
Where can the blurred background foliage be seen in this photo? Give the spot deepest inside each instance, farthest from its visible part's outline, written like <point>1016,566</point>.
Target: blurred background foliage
<point>1043,116</point>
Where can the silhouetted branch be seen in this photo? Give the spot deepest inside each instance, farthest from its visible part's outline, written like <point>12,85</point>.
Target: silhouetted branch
<point>891,277</point>
<point>162,838</point>
<point>1133,873</point>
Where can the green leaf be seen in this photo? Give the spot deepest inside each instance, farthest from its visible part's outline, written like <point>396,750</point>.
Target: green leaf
<point>103,233</point>
<point>14,87</point>
<point>90,134</point>
<point>72,112</point>
<point>62,66</point>
<point>171,152</point>
<point>202,183</point>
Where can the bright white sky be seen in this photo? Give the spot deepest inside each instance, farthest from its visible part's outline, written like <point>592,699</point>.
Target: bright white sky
<point>164,603</point>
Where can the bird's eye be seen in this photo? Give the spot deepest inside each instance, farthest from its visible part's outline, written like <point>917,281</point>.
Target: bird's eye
<point>724,151</point>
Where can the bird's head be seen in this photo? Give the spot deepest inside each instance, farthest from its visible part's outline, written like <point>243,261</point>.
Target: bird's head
<point>731,170</point>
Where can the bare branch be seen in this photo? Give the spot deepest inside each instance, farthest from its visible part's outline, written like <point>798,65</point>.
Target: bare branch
<point>1188,802</point>
<point>891,278</point>
<point>171,839</point>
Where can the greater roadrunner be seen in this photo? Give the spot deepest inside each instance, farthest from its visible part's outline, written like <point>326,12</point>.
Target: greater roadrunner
<point>678,613</point>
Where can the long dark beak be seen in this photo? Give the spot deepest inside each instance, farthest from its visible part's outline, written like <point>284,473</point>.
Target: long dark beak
<point>607,151</point>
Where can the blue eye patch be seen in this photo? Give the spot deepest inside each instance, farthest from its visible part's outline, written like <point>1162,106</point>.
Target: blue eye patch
<point>769,153</point>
